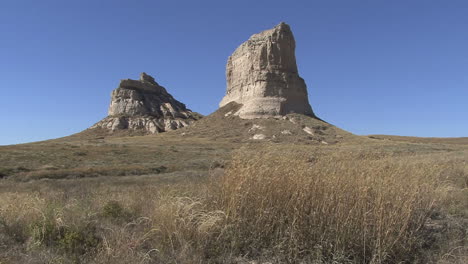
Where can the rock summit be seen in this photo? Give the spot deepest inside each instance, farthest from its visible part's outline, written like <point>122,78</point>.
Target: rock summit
<point>144,105</point>
<point>262,75</point>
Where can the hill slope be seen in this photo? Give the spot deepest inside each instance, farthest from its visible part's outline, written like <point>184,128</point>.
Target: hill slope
<point>426,140</point>
<point>224,124</point>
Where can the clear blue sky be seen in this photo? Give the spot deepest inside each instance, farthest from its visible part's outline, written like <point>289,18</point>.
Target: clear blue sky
<point>372,67</point>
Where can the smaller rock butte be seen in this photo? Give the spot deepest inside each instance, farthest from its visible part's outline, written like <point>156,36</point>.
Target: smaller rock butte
<point>144,105</point>
<point>262,75</point>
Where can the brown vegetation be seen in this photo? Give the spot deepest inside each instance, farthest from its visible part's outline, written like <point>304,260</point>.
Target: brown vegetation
<point>274,203</point>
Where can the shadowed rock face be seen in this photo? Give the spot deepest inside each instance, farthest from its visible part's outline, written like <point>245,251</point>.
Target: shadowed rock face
<point>262,75</point>
<point>145,105</point>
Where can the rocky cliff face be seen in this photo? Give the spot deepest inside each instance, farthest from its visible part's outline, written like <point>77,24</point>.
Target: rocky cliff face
<point>144,105</point>
<point>262,75</point>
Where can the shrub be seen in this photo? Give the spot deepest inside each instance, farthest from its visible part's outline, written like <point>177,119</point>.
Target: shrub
<point>82,172</point>
<point>13,230</point>
<point>115,210</point>
<point>75,239</point>
<point>79,241</point>
<point>80,153</point>
<point>5,172</point>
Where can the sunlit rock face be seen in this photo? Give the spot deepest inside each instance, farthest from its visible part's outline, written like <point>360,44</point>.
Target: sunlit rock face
<point>262,75</point>
<point>146,106</point>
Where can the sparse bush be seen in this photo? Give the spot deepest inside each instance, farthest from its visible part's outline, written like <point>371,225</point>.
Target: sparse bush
<point>50,231</point>
<point>217,164</point>
<point>4,172</point>
<point>112,209</point>
<point>79,241</point>
<point>15,231</point>
<point>160,169</point>
<point>45,231</point>
<point>80,153</point>
<point>115,210</point>
<point>91,172</point>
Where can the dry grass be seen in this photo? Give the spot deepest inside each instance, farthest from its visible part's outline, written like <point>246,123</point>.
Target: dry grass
<point>89,172</point>
<point>109,157</point>
<point>328,208</point>
<point>427,140</point>
<point>277,204</point>
<point>91,223</point>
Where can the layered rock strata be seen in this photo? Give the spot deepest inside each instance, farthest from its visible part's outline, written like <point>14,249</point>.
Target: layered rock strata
<point>262,75</point>
<point>144,105</point>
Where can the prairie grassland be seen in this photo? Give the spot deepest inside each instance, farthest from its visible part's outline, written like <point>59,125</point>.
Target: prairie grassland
<point>275,203</point>
<point>334,208</point>
<point>69,159</point>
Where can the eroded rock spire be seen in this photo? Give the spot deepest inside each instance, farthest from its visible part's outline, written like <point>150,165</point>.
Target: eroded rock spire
<point>262,75</point>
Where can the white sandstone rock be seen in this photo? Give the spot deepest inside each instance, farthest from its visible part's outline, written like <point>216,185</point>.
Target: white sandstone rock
<point>308,130</point>
<point>145,105</point>
<point>262,75</point>
<point>256,127</point>
<point>258,136</point>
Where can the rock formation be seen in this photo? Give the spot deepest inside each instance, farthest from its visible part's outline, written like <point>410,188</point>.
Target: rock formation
<point>144,105</point>
<point>262,75</point>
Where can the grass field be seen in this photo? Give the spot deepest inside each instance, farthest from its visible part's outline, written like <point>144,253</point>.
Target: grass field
<point>175,198</point>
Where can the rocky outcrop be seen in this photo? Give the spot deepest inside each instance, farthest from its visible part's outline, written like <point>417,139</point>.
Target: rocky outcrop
<point>262,75</point>
<point>144,105</point>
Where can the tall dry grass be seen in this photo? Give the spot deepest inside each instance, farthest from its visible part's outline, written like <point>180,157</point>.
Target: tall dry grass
<point>340,207</point>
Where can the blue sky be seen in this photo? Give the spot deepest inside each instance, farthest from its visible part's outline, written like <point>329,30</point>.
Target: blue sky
<point>372,67</point>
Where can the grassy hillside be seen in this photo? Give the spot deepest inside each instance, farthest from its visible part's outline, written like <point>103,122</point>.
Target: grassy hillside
<point>212,194</point>
<point>456,141</point>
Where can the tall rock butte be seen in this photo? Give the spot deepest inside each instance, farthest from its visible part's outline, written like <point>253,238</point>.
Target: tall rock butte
<point>143,105</point>
<point>262,75</point>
